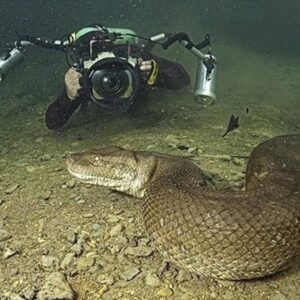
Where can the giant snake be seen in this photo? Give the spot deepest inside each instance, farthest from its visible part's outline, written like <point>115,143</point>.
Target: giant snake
<point>224,234</point>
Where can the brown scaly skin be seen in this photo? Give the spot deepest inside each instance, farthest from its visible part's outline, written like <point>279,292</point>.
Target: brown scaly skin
<point>222,234</point>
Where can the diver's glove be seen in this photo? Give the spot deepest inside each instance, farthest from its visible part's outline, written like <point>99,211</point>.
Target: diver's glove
<point>149,69</point>
<point>72,83</point>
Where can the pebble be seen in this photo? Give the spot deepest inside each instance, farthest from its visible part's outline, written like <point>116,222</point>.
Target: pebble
<point>41,227</point>
<point>152,280</point>
<point>130,273</point>
<point>48,261</point>
<point>164,266</point>
<point>67,261</point>
<point>45,157</point>
<point>56,287</point>
<point>15,297</point>
<point>115,249</point>
<point>144,241</point>
<point>106,279</point>
<point>29,293</point>
<point>72,237</point>
<point>238,161</point>
<point>96,227</point>
<point>84,263</point>
<point>13,272</point>
<point>9,253</point>
<point>12,188</point>
<point>77,249</point>
<point>88,215</point>
<point>139,251</point>
<point>113,219</point>
<point>183,276</point>
<point>46,195</point>
<point>30,169</point>
<point>165,292</point>
<point>116,230</point>
<point>4,235</point>
<point>70,183</point>
<point>279,296</point>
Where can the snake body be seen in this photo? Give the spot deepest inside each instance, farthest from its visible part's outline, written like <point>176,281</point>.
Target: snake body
<point>217,233</point>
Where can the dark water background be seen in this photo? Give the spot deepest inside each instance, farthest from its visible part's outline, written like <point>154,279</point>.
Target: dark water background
<point>269,25</point>
<point>248,37</point>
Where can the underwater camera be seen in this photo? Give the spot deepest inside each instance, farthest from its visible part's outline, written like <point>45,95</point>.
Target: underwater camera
<point>112,83</point>
<point>110,80</point>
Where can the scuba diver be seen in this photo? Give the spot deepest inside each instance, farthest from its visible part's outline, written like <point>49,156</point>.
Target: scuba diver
<point>152,71</point>
<point>111,67</point>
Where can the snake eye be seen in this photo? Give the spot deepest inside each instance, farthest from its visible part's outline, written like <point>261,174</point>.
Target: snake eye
<point>97,158</point>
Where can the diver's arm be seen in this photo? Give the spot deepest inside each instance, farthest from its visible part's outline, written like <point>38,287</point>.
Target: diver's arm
<point>58,112</point>
<point>170,75</point>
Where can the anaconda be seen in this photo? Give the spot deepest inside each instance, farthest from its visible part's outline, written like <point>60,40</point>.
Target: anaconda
<point>224,234</point>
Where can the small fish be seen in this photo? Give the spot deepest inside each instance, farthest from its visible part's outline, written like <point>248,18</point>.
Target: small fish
<point>232,124</point>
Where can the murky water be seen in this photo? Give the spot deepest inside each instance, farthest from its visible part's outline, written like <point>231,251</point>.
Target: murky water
<point>45,213</point>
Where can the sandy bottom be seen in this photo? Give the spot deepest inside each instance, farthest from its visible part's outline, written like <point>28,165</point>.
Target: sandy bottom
<point>48,216</point>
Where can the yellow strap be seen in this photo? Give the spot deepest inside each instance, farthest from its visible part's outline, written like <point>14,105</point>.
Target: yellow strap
<point>154,72</point>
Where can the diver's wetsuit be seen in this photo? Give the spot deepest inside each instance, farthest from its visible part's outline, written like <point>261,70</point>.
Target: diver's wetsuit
<point>170,76</point>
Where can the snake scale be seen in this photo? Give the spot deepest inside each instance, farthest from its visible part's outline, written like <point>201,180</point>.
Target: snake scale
<point>224,234</point>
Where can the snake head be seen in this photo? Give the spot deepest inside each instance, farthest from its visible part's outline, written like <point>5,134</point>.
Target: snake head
<point>113,167</point>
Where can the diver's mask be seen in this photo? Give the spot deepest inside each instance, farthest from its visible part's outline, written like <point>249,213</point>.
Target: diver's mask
<point>112,83</point>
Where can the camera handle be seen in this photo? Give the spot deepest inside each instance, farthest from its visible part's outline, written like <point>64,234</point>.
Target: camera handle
<point>204,91</point>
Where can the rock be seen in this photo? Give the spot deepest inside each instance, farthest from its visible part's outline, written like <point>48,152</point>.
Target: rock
<point>77,249</point>
<point>46,195</point>
<point>15,297</point>
<point>71,237</point>
<point>96,227</point>
<point>165,292</point>
<point>106,279</point>
<point>67,261</point>
<point>164,266</point>
<point>84,263</point>
<point>9,253</point>
<point>152,280</point>
<point>4,235</point>
<point>56,287</point>
<point>113,219</point>
<point>12,188</point>
<point>144,241</point>
<point>116,230</point>
<point>48,261</point>
<point>29,293</point>
<point>71,183</point>
<point>13,272</point>
<point>45,157</point>
<point>88,215</point>
<point>130,273</point>
<point>115,249</point>
<point>41,227</point>
<point>279,296</point>
<point>139,251</point>
<point>183,276</point>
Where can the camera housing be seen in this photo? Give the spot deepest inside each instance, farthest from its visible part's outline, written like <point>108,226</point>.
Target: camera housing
<point>112,83</point>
